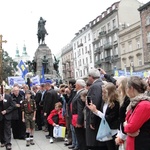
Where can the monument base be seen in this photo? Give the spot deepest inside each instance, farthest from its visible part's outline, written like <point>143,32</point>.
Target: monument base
<point>43,51</point>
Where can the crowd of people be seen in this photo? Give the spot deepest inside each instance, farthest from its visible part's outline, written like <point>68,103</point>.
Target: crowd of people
<point>80,106</point>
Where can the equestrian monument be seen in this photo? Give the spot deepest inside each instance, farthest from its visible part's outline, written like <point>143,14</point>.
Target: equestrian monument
<point>43,55</point>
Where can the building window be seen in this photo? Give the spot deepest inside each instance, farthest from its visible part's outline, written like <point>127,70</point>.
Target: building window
<point>139,58</point>
<point>147,20</point>
<point>85,49</point>
<point>85,39</point>
<point>138,43</point>
<point>108,27</point>
<point>89,47</point>
<point>86,60</point>
<point>80,73</point>
<point>123,48</point>
<point>89,36</point>
<point>114,23</point>
<point>103,29</point>
<point>84,72</point>
<point>74,45</point>
<point>90,59</point>
<point>83,61</point>
<point>75,55</point>
<point>94,36</point>
<point>148,37</point>
<point>130,45</point>
<point>82,51</point>
<point>80,41</point>
<point>116,51</point>
<point>115,37</point>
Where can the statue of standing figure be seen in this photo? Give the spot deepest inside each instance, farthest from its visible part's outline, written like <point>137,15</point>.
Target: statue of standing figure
<point>56,65</point>
<point>41,31</point>
<point>45,65</point>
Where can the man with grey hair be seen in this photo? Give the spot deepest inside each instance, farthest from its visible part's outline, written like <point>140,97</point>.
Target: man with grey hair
<point>92,121</point>
<point>77,106</point>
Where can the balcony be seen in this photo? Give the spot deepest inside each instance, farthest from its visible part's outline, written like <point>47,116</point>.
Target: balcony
<point>108,59</point>
<point>108,46</point>
<point>102,33</point>
<point>80,45</point>
<point>98,50</point>
<point>98,62</point>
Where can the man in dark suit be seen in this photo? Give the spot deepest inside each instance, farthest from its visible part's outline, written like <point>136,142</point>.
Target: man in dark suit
<point>92,121</point>
<point>6,107</point>
<point>77,110</point>
<point>37,98</point>
<point>49,100</point>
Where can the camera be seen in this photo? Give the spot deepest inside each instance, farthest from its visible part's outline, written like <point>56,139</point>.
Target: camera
<point>89,100</point>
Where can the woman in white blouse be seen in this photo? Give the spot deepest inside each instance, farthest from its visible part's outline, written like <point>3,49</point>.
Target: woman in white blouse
<point>110,110</point>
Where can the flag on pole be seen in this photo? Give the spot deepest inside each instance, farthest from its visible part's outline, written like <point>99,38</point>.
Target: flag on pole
<point>23,68</point>
<point>42,79</point>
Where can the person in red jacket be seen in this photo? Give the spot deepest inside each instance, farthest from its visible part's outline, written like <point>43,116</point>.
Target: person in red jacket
<point>56,118</point>
<point>137,125</point>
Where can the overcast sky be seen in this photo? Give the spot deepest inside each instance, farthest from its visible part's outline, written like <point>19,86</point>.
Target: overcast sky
<point>19,20</point>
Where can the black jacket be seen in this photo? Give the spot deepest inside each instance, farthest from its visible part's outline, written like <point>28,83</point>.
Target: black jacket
<point>77,108</point>
<point>37,99</point>
<point>17,114</point>
<point>8,105</point>
<point>95,92</point>
<point>112,115</point>
<point>49,101</point>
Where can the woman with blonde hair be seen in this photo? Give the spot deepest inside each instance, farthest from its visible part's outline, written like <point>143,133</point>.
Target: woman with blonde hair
<point>124,102</point>
<point>109,110</point>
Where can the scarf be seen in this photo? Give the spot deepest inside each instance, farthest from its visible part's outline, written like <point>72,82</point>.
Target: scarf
<point>137,99</point>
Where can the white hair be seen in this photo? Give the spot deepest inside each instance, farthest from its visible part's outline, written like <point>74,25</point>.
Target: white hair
<point>94,73</point>
<point>81,82</point>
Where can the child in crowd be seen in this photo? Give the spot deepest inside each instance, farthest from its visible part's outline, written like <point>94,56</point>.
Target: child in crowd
<point>56,118</point>
<point>28,116</point>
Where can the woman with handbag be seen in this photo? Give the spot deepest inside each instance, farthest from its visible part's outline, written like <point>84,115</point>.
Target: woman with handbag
<point>137,125</point>
<point>109,111</point>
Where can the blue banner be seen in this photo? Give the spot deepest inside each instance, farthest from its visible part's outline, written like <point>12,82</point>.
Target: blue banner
<point>23,68</point>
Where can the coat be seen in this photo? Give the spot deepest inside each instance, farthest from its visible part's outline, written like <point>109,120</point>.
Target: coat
<point>138,119</point>
<point>77,107</point>
<point>95,92</point>
<point>49,101</point>
<point>112,115</point>
<point>17,114</point>
<point>8,105</point>
<point>61,120</point>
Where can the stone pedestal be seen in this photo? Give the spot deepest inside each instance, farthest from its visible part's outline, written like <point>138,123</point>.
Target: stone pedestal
<point>44,50</point>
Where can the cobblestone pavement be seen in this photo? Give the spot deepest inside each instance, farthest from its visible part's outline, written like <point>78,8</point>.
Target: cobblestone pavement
<point>41,143</point>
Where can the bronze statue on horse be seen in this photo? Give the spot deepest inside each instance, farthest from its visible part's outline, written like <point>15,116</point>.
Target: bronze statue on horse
<point>41,31</point>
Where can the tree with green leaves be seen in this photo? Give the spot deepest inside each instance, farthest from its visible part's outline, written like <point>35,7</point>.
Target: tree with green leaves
<point>9,66</point>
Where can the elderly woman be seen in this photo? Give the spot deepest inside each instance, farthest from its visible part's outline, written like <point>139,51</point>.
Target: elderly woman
<point>109,110</point>
<point>137,125</point>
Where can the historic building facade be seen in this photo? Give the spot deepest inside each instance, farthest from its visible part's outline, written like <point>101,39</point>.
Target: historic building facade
<point>131,48</point>
<point>105,29</point>
<point>145,25</point>
<point>67,63</point>
<point>83,52</point>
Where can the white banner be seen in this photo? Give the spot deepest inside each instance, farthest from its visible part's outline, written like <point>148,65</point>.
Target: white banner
<point>35,80</point>
<point>13,80</point>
